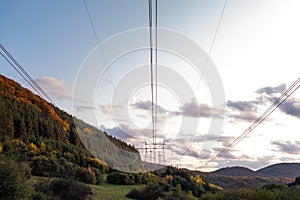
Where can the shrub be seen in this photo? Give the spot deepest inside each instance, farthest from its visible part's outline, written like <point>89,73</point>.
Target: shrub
<point>14,181</point>
<point>83,175</point>
<point>133,194</point>
<point>150,192</point>
<point>68,189</point>
<point>120,178</point>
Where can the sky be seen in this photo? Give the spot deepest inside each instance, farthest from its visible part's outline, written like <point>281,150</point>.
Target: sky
<point>202,106</point>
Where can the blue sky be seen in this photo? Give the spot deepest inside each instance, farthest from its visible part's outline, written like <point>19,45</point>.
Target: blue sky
<point>256,47</point>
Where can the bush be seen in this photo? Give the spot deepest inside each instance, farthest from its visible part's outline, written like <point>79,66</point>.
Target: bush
<point>120,178</point>
<point>14,180</point>
<point>44,166</point>
<point>83,175</point>
<point>151,192</point>
<point>133,194</point>
<point>67,189</point>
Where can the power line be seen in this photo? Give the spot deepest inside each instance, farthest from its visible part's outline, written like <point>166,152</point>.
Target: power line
<point>258,121</point>
<point>151,67</point>
<point>212,43</point>
<point>153,54</point>
<point>156,78</point>
<point>99,47</point>
<point>11,64</point>
<point>21,71</point>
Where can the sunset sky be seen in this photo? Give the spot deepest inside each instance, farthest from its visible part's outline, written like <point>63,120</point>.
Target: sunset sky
<point>255,55</point>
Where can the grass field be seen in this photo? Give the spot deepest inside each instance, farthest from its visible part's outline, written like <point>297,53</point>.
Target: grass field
<point>105,191</point>
<point>112,192</point>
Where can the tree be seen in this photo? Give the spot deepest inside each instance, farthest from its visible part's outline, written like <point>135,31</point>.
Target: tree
<point>14,181</point>
<point>297,180</point>
<point>177,192</point>
<point>20,127</point>
<point>6,123</point>
<point>153,191</point>
<point>120,178</point>
<point>74,138</point>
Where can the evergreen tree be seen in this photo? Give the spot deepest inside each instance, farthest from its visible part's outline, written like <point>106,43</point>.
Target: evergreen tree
<point>20,127</point>
<point>6,122</point>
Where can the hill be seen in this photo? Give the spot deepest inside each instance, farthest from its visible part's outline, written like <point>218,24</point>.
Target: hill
<point>237,171</point>
<point>33,130</point>
<point>286,170</point>
<point>239,177</point>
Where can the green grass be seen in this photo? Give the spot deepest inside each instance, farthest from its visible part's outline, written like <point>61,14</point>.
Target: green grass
<point>105,191</point>
<point>112,192</point>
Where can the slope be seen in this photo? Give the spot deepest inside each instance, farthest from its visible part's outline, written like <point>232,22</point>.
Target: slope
<point>33,130</point>
<point>238,171</point>
<point>287,170</point>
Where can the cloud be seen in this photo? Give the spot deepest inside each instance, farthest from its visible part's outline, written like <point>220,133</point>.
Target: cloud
<point>225,140</point>
<point>243,105</point>
<point>245,116</point>
<point>187,152</point>
<point>244,110</point>
<point>189,109</point>
<point>106,109</point>
<point>182,147</point>
<point>81,108</point>
<point>291,107</point>
<point>271,90</point>
<point>147,105</point>
<point>195,109</point>
<point>117,132</point>
<point>163,114</point>
<point>124,132</point>
<point>225,155</point>
<point>54,87</point>
<point>189,146</point>
<point>287,147</point>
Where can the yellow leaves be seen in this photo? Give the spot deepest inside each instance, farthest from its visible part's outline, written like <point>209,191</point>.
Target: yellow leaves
<point>215,187</point>
<point>66,125</point>
<point>33,147</point>
<point>14,90</point>
<point>88,131</point>
<point>190,194</point>
<point>197,179</point>
<point>43,146</point>
<point>54,116</point>
<point>1,149</point>
<point>169,177</point>
<point>96,162</point>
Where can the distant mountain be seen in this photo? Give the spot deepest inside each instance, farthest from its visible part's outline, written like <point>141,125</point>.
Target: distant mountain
<point>285,170</point>
<point>279,170</point>
<point>237,171</point>
<point>241,177</point>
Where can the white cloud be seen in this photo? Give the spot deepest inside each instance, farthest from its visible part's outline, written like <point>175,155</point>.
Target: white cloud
<point>54,87</point>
